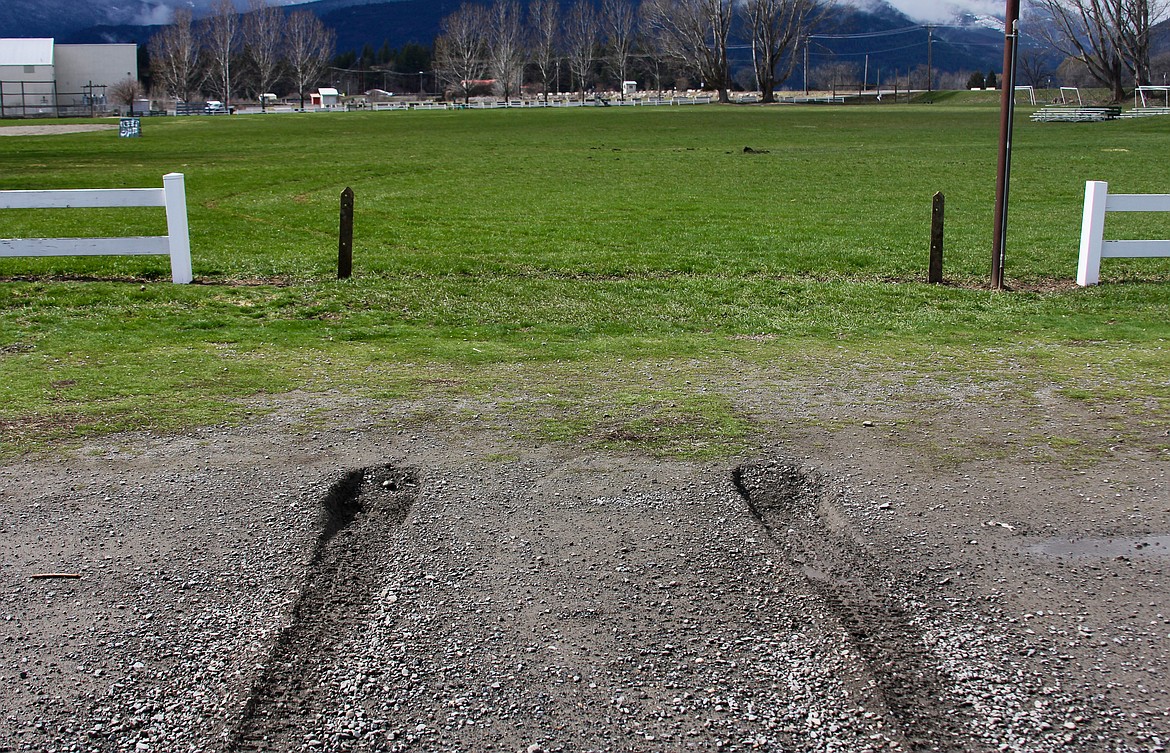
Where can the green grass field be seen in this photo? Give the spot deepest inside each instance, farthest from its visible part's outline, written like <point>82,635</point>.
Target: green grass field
<point>559,244</point>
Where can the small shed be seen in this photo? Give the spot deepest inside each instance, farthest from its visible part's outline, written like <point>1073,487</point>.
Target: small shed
<point>629,87</point>
<point>327,96</point>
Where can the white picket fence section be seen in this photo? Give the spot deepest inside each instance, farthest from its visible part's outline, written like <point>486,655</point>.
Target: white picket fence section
<point>1094,247</point>
<point>173,196</point>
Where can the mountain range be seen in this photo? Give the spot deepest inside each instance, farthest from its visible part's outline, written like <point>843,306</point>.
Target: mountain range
<point>893,41</point>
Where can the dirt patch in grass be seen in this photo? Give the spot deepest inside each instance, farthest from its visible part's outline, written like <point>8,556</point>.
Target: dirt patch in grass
<point>55,130</point>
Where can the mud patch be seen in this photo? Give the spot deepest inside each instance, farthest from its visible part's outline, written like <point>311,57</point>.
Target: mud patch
<point>794,510</point>
<point>360,512</point>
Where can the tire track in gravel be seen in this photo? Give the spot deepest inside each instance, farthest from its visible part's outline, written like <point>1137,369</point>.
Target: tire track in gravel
<point>361,511</point>
<point>817,538</point>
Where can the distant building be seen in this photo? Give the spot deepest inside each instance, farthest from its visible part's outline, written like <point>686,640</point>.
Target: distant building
<point>326,96</point>
<point>39,77</point>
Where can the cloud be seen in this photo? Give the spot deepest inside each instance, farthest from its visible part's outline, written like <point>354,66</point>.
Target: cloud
<point>154,15</point>
<point>932,11</point>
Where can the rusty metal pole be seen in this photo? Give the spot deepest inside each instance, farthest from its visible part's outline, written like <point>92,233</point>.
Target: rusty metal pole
<point>1007,103</point>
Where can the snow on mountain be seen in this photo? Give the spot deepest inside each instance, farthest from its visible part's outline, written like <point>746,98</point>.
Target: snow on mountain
<point>950,12</point>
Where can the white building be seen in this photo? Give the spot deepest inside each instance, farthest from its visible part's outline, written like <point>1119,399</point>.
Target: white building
<point>41,77</point>
<point>326,96</point>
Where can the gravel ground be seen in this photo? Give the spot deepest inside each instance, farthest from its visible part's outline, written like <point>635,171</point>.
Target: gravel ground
<point>53,130</point>
<point>372,588</point>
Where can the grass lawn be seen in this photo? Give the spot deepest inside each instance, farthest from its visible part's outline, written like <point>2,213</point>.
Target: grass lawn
<point>506,254</point>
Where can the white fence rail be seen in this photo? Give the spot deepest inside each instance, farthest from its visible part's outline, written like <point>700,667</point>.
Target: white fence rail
<point>173,196</point>
<point>1094,247</point>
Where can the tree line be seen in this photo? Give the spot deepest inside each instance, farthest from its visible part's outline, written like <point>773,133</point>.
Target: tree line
<point>263,49</point>
<point>508,44</point>
<point>1111,40</point>
<point>591,43</point>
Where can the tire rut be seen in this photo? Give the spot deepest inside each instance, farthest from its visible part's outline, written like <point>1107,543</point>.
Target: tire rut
<point>793,510</point>
<point>361,510</point>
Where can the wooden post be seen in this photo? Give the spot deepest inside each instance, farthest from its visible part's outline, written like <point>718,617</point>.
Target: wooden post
<point>935,272</point>
<point>345,236</point>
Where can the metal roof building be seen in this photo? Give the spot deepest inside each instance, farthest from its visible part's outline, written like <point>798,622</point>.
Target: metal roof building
<point>39,77</point>
<point>26,52</point>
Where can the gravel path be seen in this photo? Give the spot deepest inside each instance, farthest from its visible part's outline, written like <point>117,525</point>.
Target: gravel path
<point>273,589</point>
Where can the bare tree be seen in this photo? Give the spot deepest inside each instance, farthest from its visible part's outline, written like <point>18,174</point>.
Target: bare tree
<point>544,38</point>
<point>1110,37</point>
<point>126,92</point>
<point>460,49</point>
<point>506,47</point>
<point>1159,68</point>
<point>174,57</point>
<point>582,33</point>
<point>1034,68</point>
<point>309,47</point>
<point>221,40</point>
<point>618,19</point>
<point>835,75</point>
<point>693,33</point>
<point>263,36</point>
<point>776,27</point>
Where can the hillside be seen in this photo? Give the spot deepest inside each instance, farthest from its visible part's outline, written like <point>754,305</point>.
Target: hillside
<point>961,47</point>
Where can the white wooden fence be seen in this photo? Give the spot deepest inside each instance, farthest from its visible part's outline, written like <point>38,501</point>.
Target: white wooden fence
<point>173,196</point>
<point>1094,248</point>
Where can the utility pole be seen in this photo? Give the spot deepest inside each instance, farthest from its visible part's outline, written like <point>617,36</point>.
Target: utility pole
<point>806,41</point>
<point>930,61</point>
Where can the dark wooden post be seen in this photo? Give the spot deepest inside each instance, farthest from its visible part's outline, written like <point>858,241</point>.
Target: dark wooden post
<point>935,272</point>
<point>345,236</point>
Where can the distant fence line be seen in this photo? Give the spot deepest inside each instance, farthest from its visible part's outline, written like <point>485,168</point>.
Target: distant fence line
<point>538,103</point>
<point>39,99</point>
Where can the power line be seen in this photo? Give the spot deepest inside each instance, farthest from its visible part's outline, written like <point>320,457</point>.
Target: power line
<point>869,34</point>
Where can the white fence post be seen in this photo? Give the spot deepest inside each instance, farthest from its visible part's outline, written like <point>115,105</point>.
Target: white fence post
<point>178,237</point>
<point>1098,201</point>
<point>1092,232</point>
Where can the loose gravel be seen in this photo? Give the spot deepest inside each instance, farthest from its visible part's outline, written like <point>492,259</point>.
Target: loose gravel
<point>272,589</point>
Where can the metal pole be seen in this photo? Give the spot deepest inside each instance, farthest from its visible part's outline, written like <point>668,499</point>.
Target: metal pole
<point>1006,114</point>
